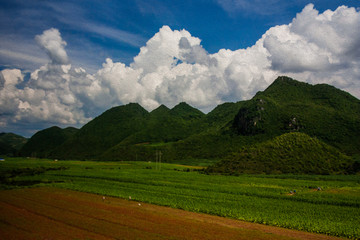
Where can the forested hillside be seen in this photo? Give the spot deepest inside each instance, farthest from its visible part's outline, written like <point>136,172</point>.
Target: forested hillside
<point>130,132</point>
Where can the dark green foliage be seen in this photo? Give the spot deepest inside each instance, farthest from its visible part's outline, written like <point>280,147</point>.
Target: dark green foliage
<point>11,143</point>
<point>223,113</point>
<point>9,177</point>
<point>165,125</point>
<point>103,132</point>
<point>125,132</point>
<point>42,143</point>
<point>160,111</point>
<point>185,111</point>
<point>248,121</point>
<point>6,149</point>
<point>321,111</point>
<point>289,153</point>
<point>219,118</point>
<point>184,133</point>
<point>162,128</point>
<point>13,140</point>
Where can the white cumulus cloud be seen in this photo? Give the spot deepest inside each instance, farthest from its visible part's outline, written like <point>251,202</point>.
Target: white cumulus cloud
<point>173,66</point>
<point>318,48</point>
<point>54,46</point>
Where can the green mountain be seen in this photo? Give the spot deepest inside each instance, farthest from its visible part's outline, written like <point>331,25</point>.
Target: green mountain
<point>130,132</point>
<point>160,111</point>
<point>14,140</point>
<point>289,153</point>
<point>185,111</point>
<point>110,135</point>
<point>42,143</point>
<point>286,106</point>
<point>11,143</point>
<point>168,125</point>
<point>162,127</point>
<point>103,132</point>
<point>321,111</point>
<point>222,115</point>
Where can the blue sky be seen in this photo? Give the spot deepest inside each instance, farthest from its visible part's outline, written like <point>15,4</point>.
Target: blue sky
<point>95,30</point>
<point>65,62</point>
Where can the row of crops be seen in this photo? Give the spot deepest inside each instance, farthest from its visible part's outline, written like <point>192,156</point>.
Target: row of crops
<point>323,204</point>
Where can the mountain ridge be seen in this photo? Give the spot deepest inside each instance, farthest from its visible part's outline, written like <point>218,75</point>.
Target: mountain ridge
<point>183,132</point>
<point>42,142</point>
<point>11,143</point>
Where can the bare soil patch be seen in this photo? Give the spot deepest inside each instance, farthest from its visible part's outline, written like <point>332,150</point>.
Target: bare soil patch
<point>51,213</point>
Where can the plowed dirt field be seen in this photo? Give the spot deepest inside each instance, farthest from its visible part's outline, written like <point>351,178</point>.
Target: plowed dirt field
<point>51,213</point>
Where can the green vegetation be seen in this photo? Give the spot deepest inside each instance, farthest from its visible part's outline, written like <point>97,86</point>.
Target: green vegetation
<point>165,125</point>
<point>11,143</point>
<point>290,128</point>
<point>130,132</point>
<point>103,132</point>
<point>320,111</point>
<point>121,130</point>
<point>266,199</point>
<point>289,153</point>
<point>43,142</point>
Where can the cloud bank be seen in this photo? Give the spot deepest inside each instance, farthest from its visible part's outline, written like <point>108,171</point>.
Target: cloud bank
<point>173,67</point>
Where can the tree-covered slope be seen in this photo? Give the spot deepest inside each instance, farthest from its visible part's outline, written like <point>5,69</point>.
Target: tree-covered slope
<point>14,140</point>
<point>130,132</point>
<point>287,105</point>
<point>42,143</point>
<point>130,125</point>
<point>163,127</point>
<point>293,152</point>
<point>222,114</point>
<point>103,132</point>
<point>11,143</point>
<point>168,125</point>
<point>6,149</point>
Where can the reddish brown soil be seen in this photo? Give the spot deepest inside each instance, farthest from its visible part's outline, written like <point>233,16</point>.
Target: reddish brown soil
<point>51,213</point>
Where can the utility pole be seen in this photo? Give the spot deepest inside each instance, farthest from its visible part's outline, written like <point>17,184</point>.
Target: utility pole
<point>156,159</point>
<point>160,160</point>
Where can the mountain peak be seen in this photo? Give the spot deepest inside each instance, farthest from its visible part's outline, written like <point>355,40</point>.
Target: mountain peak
<point>162,109</point>
<point>133,106</point>
<point>286,106</point>
<point>43,142</point>
<point>286,88</point>
<point>128,110</point>
<point>283,81</point>
<point>185,110</point>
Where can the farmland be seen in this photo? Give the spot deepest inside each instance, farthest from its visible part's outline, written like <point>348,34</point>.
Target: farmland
<point>30,213</point>
<point>289,201</point>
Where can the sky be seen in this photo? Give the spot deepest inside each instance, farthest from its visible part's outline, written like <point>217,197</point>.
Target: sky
<point>65,62</point>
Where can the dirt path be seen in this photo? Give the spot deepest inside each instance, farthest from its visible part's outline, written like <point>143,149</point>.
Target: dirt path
<point>51,213</point>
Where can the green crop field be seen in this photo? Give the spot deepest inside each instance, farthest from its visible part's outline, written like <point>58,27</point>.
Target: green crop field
<point>290,201</point>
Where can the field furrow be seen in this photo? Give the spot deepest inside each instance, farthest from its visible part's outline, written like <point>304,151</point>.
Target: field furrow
<point>50,213</point>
